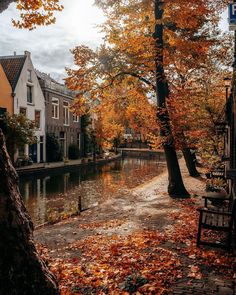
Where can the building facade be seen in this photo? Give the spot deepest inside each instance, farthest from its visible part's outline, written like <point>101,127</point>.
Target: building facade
<point>28,100</point>
<point>229,156</point>
<point>60,121</point>
<point>6,97</point>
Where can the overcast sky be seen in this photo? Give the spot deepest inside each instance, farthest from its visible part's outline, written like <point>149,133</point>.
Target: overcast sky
<point>50,45</point>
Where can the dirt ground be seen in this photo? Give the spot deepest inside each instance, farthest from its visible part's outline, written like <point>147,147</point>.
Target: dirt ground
<point>145,206</point>
<point>158,232</point>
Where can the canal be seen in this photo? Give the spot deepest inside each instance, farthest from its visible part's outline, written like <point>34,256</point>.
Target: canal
<point>59,194</point>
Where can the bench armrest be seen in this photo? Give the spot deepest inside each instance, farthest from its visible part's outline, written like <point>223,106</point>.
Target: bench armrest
<point>214,212</point>
<point>216,197</point>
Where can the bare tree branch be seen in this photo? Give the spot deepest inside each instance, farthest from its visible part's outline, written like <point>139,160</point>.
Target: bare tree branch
<point>136,76</point>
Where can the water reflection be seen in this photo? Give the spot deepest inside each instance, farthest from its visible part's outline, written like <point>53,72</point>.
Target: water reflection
<point>48,196</point>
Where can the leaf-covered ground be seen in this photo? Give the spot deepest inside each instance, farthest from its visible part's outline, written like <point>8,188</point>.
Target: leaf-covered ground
<point>140,242</point>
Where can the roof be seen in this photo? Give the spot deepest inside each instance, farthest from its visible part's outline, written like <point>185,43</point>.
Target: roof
<point>12,66</point>
<point>45,76</point>
<point>46,81</point>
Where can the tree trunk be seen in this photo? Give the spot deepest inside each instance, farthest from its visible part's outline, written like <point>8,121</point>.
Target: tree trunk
<point>176,187</point>
<point>22,272</point>
<point>4,4</point>
<point>190,163</point>
<point>189,158</point>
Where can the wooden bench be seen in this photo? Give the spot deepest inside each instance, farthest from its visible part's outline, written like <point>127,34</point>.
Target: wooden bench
<point>216,197</point>
<point>217,173</point>
<point>219,219</point>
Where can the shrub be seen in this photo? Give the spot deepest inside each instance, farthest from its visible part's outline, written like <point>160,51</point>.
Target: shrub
<point>73,152</point>
<point>53,149</point>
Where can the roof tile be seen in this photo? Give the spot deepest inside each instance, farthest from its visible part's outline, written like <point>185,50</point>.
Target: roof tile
<point>12,66</point>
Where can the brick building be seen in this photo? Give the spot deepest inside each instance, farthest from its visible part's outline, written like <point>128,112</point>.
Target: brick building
<point>60,122</point>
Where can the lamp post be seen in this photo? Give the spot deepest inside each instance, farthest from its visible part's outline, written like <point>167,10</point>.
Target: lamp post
<point>227,83</point>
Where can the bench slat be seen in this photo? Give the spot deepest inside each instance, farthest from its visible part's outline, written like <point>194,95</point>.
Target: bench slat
<point>218,218</point>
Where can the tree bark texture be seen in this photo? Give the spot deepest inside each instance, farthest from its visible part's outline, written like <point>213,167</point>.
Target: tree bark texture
<point>176,186</point>
<point>190,163</point>
<point>22,272</point>
<point>190,159</point>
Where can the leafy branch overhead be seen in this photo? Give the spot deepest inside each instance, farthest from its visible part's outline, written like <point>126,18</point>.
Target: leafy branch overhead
<point>193,47</point>
<point>33,13</point>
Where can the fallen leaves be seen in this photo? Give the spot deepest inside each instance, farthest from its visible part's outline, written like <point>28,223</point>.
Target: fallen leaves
<point>185,232</point>
<point>144,262</point>
<point>102,224</point>
<point>195,272</point>
<point>112,265</point>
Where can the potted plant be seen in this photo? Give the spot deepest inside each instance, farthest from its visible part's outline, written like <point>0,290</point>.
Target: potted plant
<point>25,161</point>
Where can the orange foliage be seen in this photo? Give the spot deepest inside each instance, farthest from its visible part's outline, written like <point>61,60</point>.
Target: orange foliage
<point>190,31</point>
<point>197,101</point>
<point>36,13</point>
<point>125,105</point>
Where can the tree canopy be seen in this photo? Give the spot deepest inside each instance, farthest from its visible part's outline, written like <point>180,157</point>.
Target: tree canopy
<point>191,39</point>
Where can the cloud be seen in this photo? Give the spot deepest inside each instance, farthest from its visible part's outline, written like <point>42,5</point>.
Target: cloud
<point>53,61</point>
<point>50,46</point>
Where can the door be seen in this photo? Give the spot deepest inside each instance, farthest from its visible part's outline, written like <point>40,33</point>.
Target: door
<point>41,149</point>
<point>33,152</point>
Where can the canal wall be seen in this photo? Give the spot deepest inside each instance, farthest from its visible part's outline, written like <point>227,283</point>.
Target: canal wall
<point>65,166</point>
<point>143,153</point>
<point>43,168</point>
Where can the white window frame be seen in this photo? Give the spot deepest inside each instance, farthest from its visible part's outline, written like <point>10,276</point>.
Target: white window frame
<point>78,139</point>
<point>29,75</point>
<point>75,118</point>
<point>39,127</point>
<point>25,109</point>
<point>66,113</point>
<point>32,94</point>
<point>55,108</point>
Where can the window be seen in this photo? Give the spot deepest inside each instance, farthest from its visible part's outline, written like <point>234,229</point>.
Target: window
<point>29,94</point>
<point>2,112</point>
<point>37,119</point>
<point>66,115</point>
<point>78,139</point>
<point>62,135</point>
<point>75,118</point>
<point>29,75</point>
<point>55,108</point>
<point>62,140</point>
<point>23,111</point>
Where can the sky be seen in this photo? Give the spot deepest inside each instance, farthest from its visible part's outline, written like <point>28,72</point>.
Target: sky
<point>50,46</point>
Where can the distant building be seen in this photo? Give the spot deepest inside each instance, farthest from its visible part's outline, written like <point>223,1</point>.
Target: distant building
<point>28,99</point>
<point>60,121</point>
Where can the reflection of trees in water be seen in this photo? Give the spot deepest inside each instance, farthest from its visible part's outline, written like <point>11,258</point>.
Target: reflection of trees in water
<point>94,184</point>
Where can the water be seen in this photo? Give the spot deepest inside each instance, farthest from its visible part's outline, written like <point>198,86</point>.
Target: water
<point>59,194</point>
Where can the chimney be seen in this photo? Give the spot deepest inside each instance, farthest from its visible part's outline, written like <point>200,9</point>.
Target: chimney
<point>27,53</point>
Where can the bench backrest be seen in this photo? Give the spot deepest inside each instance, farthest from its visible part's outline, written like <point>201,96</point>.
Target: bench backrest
<point>233,207</point>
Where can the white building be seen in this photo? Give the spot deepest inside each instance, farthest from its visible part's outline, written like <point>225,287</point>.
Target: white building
<point>28,99</point>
